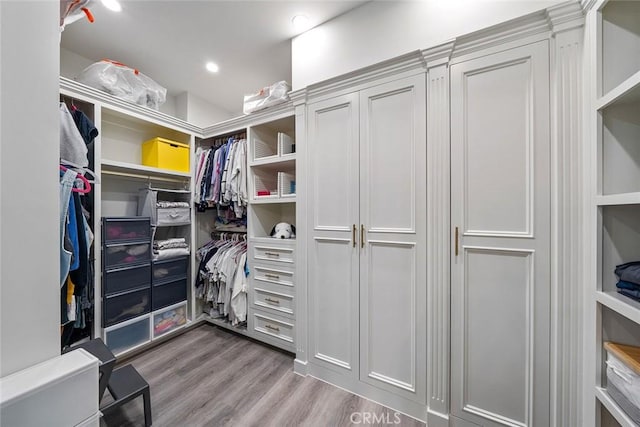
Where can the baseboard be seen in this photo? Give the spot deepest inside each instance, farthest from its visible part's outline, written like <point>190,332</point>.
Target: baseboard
<point>399,404</point>
<point>300,367</point>
<point>436,419</point>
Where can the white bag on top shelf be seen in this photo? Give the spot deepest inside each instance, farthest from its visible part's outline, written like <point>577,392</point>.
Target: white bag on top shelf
<point>268,96</point>
<point>124,82</point>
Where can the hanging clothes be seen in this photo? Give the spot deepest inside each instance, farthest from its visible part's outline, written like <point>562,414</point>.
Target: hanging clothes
<point>221,180</point>
<point>222,279</point>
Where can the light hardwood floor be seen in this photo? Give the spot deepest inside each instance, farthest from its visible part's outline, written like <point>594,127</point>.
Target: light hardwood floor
<point>212,377</point>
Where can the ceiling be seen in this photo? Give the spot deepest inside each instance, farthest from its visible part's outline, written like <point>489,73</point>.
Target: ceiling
<point>170,41</point>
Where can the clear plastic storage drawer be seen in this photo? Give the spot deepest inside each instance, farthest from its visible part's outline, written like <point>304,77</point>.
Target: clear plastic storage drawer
<point>126,229</point>
<point>169,319</point>
<point>171,269</point>
<point>169,293</point>
<point>122,338</point>
<point>125,306</point>
<point>126,278</point>
<point>126,254</point>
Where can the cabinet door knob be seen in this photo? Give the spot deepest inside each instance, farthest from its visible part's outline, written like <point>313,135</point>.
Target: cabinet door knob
<point>272,301</point>
<point>362,235</point>
<point>272,276</point>
<point>272,254</point>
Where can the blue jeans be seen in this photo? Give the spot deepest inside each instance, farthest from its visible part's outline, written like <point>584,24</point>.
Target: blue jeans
<point>66,185</point>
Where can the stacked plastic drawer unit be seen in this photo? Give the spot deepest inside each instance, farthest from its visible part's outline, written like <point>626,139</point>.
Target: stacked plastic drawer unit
<point>126,282</point>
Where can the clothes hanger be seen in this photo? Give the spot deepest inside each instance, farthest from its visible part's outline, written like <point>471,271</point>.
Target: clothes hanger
<point>83,169</point>
<point>85,181</point>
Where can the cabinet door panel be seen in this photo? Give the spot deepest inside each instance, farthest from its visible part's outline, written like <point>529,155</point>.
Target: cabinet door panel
<point>500,201</point>
<point>392,256</point>
<point>332,211</point>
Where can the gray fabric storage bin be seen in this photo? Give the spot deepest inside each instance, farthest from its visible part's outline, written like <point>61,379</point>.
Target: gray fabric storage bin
<point>147,206</point>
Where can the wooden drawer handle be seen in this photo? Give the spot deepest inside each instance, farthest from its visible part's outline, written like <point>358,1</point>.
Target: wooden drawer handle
<point>272,254</point>
<point>272,276</point>
<point>273,328</point>
<point>272,301</point>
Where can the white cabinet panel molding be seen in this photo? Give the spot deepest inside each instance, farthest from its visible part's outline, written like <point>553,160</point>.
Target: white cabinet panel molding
<point>438,243</point>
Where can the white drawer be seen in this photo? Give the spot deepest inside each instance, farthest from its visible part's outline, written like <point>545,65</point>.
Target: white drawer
<point>265,275</point>
<point>273,253</point>
<point>273,329</point>
<point>276,301</point>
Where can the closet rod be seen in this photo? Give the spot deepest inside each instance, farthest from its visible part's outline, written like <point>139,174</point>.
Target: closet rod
<point>144,177</point>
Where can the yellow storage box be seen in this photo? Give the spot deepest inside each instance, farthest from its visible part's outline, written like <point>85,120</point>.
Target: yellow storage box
<point>166,154</point>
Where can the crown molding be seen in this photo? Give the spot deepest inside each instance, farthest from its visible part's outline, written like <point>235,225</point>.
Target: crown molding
<point>86,93</point>
<point>565,16</point>
<point>587,5</point>
<point>242,122</point>
<point>439,54</point>
<point>525,26</point>
<point>404,63</point>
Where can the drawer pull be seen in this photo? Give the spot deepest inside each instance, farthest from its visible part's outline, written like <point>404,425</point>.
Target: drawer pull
<point>272,276</point>
<point>272,301</point>
<point>273,328</point>
<point>272,254</point>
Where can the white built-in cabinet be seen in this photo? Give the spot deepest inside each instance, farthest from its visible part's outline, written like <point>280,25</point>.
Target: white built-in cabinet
<point>271,176</point>
<point>366,154</point>
<point>119,177</point>
<point>500,214</point>
<point>614,125</point>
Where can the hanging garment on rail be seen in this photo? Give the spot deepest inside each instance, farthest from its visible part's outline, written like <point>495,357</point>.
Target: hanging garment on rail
<point>221,179</point>
<point>222,279</point>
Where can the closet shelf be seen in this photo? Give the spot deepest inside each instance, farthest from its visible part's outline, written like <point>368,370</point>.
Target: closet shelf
<point>626,92</point>
<point>613,408</point>
<point>123,167</point>
<point>621,304</point>
<point>618,199</point>
<point>272,200</point>
<point>287,161</point>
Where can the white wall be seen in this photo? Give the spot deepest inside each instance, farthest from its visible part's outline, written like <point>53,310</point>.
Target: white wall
<point>29,213</point>
<point>381,30</point>
<point>198,111</point>
<point>72,64</point>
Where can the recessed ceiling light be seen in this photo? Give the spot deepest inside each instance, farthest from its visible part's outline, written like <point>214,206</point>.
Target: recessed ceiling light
<point>212,67</point>
<point>113,5</point>
<point>300,22</point>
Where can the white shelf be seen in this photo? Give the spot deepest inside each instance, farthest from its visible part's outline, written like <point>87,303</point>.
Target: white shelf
<point>621,304</point>
<point>626,92</point>
<point>613,408</point>
<point>618,199</point>
<point>116,166</point>
<point>287,161</point>
<point>272,200</point>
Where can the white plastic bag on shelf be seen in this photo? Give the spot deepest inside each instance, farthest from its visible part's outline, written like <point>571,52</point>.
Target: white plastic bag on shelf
<point>268,96</point>
<point>124,82</point>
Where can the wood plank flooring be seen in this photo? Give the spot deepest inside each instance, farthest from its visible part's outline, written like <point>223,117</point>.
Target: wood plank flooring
<point>212,377</point>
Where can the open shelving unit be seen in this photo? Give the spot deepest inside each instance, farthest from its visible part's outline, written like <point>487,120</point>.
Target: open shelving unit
<point>617,199</point>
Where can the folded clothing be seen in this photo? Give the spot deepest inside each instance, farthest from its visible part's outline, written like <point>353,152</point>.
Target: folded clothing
<point>179,242</point>
<point>172,205</point>
<point>629,272</point>
<point>169,253</point>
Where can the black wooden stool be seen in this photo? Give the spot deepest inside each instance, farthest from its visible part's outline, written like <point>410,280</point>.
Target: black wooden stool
<point>125,385</point>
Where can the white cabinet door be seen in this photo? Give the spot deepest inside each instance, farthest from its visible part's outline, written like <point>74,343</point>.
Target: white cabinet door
<point>500,186</point>
<point>333,136</point>
<point>393,237</point>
